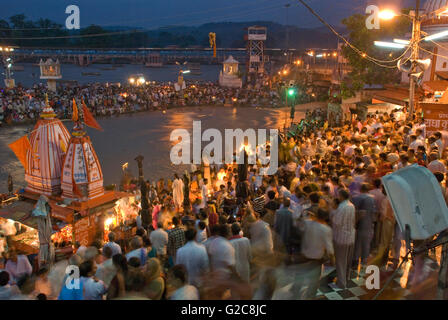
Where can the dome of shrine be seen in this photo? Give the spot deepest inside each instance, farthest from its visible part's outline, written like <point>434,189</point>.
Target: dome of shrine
<point>48,143</point>
<point>82,178</point>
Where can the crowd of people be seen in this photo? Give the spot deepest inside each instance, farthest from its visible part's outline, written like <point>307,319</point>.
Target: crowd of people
<point>210,239</point>
<point>21,104</point>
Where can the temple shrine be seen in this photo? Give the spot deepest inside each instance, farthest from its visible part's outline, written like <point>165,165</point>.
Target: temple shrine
<point>228,77</point>
<point>66,169</point>
<point>82,178</point>
<point>48,143</point>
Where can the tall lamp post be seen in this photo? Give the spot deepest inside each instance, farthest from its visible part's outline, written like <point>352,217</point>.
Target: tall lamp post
<point>8,63</point>
<point>413,43</point>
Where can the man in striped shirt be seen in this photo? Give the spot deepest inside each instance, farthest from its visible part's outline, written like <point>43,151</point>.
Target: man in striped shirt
<point>176,238</point>
<point>343,221</point>
<point>258,202</point>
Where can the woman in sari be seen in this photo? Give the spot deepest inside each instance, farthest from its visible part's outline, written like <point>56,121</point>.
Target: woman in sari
<point>155,284</point>
<point>117,287</point>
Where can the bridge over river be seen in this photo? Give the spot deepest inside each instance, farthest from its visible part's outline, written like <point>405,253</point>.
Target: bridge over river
<point>85,57</point>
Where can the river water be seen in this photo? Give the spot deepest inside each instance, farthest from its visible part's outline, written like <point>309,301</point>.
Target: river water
<point>31,73</point>
<point>146,133</point>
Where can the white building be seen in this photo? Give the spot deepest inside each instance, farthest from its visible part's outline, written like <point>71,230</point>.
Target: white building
<point>228,77</point>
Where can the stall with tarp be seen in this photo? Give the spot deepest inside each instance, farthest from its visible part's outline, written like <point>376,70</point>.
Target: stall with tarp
<point>69,222</point>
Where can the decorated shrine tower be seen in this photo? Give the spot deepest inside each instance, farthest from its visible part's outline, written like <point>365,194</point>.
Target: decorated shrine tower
<point>48,143</point>
<point>82,178</point>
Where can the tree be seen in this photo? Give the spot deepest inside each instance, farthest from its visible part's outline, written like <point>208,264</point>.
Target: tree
<point>93,42</point>
<point>365,71</point>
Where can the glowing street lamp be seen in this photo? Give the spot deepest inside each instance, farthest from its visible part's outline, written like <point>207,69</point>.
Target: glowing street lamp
<point>387,14</point>
<point>5,57</point>
<point>401,41</point>
<point>389,45</point>
<point>141,80</point>
<point>436,36</point>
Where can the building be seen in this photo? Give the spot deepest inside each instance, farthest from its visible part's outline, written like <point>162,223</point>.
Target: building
<point>48,144</point>
<point>67,170</point>
<point>82,178</point>
<point>228,77</point>
<point>50,70</point>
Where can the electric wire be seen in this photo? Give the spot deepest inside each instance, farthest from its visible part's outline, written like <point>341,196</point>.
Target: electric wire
<point>379,62</point>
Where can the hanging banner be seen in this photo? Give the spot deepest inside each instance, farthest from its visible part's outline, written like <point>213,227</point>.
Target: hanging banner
<point>436,117</point>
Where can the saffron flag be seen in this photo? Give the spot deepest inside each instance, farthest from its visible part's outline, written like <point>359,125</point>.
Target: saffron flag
<point>75,111</point>
<point>89,120</point>
<point>20,147</point>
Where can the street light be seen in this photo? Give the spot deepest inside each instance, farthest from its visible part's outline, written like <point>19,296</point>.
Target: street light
<point>387,14</point>
<point>414,43</point>
<point>389,45</point>
<point>436,36</point>
<point>8,64</point>
<point>401,41</point>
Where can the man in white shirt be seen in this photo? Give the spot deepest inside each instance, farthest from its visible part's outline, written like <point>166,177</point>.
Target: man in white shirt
<point>343,221</point>
<point>17,265</point>
<point>138,250</point>
<point>115,247</point>
<point>204,194</point>
<point>439,142</point>
<point>159,239</point>
<point>178,192</point>
<point>317,237</point>
<point>80,249</point>
<point>93,289</point>
<point>106,271</point>
<point>317,246</point>
<point>436,165</point>
<point>243,254</point>
<point>261,239</point>
<point>222,253</point>
<point>415,142</point>
<point>194,257</point>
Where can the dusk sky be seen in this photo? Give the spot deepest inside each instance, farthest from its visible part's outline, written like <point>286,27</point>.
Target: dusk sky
<point>152,14</point>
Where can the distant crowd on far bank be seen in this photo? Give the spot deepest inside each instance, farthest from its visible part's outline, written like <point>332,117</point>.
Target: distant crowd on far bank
<point>20,104</point>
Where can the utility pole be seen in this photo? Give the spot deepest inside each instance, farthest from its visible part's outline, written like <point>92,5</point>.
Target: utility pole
<point>415,41</point>
<point>146,216</point>
<point>287,32</point>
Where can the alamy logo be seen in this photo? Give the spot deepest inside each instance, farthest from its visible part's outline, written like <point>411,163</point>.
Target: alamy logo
<point>373,20</point>
<point>72,280</point>
<point>72,21</point>
<point>263,151</point>
<point>373,280</point>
